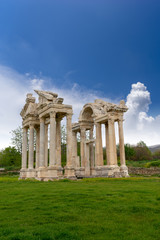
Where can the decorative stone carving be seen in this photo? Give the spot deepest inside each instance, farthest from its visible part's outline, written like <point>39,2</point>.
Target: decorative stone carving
<point>48,112</point>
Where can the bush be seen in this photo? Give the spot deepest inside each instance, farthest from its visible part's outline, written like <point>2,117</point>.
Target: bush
<point>153,164</point>
<point>156,155</point>
<point>10,157</point>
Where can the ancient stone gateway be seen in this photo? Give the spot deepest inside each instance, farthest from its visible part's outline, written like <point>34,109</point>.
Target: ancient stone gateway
<point>92,162</point>
<point>47,115</point>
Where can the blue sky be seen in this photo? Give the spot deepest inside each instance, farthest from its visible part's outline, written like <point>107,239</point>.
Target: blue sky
<point>103,46</point>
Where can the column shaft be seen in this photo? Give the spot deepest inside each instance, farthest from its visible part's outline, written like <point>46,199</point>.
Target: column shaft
<point>42,140</point>
<point>91,148</point>
<point>82,146</point>
<point>74,148</point>
<point>58,142</point>
<point>98,147</point>
<point>107,143</point>
<point>46,145</point>
<point>69,140</point>
<point>31,146</point>
<point>112,143</point>
<point>52,161</point>
<point>37,146</point>
<point>24,149</point>
<point>121,143</point>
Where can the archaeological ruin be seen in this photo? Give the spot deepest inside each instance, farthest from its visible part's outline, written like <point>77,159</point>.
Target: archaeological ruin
<point>41,147</point>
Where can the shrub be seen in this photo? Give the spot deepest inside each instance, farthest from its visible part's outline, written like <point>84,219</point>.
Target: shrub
<point>153,164</point>
<point>10,157</point>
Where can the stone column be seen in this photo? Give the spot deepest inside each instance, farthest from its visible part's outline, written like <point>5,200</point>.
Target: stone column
<point>91,148</point>
<point>107,143</point>
<point>112,143</point>
<point>52,160</point>
<point>42,147</point>
<point>69,140</point>
<point>31,147</point>
<point>98,147</point>
<point>82,145</point>
<point>37,146</point>
<point>74,148</point>
<point>87,163</point>
<point>58,142</point>
<point>46,146</point>
<point>121,143</point>
<point>24,148</point>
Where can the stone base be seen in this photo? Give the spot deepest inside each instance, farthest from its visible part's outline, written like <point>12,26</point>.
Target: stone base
<point>69,172</point>
<point>23,174</point>
<point>106,171</point>
<point>55,172</point>
<point>124,171</point>
<point>80,172</point>
<point>27,173</point>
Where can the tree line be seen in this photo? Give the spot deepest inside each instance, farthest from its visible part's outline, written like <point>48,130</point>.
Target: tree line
<point>10,157</point>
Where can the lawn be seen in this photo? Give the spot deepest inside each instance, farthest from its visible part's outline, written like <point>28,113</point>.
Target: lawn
<point>85,209</point>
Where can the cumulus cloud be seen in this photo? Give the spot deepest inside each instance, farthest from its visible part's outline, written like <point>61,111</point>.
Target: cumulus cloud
<point>13,90</point>
<point>139,125</point>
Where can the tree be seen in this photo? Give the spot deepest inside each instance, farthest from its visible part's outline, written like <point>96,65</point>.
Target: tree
<point>156,155</point>
<point>16,139</point>
<point>129,151</point>
<point>142,152</point>
<point>10,157</point>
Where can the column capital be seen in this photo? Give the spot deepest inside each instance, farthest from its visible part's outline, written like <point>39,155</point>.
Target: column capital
<point>24,129</point>
<point>31,125</point>
<point>97,123</point>
<point>41,120</point>
<point>69,115</point>
<point>82,130</point>
<point>120,120</point>
<point>52,114</point>
<point>111,121</point>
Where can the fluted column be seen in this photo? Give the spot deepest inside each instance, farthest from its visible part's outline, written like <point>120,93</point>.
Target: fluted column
<point>52,161</point>
<point>74,149</point>
<point>121,143</point>
<point>107,143</point>
<point>46,145</point>
<point>112,143</point>
<point>58,142</point>
<point>31,147</point>
<point>91,148</point>
<point>42,140</point>
<point>69,140</point>
<point>82,145</point>
<point>37,146</point>
<point>98,147</point>
<point>24,148</point>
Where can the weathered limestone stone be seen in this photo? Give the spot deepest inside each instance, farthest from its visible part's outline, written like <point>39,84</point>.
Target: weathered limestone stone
<point>37,146</point>
<point>58,142</point>
<point>52,139</point>
<point>49,112</point>
<point>42,144</point>
<point>46,146</point>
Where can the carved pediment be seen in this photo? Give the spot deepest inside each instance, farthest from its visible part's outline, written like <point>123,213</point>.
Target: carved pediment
<point>29,108</point>
<point>46,97</point>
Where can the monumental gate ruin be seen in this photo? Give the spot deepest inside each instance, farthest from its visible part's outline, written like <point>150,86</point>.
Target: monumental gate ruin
<point>42,121</point>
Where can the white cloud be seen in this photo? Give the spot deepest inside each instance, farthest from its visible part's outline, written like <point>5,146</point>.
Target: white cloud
<point>139,125</point>
<point>14,87</point>
<point>13,90</point>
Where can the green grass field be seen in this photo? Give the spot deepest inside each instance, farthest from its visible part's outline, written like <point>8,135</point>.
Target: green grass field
<point>85,209</point>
